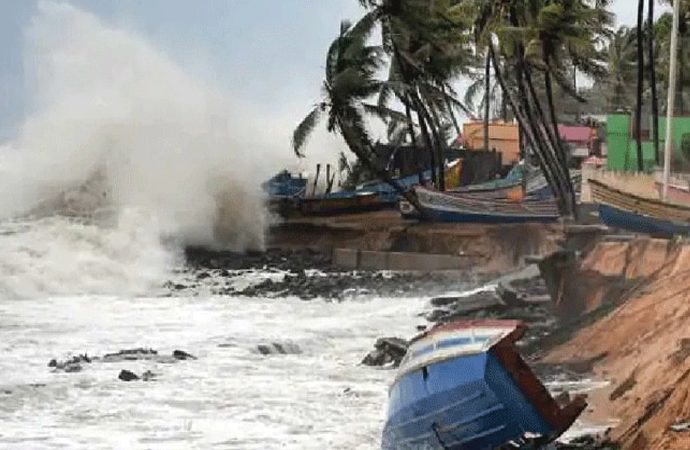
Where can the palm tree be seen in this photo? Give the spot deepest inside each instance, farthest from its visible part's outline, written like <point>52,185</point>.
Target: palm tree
<point>640,82</point>
<point>428,47</point>
<point>652,79</point>
<point>622,66</point>
<point>351,65</point>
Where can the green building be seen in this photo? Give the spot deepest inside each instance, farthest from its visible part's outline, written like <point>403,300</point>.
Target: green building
<point>622,147</point>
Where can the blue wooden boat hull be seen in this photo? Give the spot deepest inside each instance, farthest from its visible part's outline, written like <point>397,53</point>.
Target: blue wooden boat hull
<point>626,220</point>
<point>470,402</point>
<point>463,385</point>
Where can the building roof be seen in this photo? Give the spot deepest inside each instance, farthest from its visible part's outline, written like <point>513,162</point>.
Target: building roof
<point>576,133</point>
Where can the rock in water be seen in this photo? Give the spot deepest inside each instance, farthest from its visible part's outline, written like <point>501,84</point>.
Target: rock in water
<point>131,355</point>
<point>148,376</point>
<point>279,348</point>
<point>508,295</point>
<point>126,375</point>
<point>388,350</point>
<point>71,365</point>
<point>182,355</point>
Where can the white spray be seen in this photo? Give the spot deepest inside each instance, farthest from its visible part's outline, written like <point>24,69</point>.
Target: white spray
<point>118,126</point>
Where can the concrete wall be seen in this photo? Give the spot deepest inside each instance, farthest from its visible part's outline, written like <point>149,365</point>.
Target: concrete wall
<point>353,259</point>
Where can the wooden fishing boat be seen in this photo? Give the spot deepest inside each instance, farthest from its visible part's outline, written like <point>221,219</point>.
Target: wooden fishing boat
<point>463,385</point>
<point>472,208</point>
<point>341,203</point>
<point>639,214</point>
<point>677,193</point>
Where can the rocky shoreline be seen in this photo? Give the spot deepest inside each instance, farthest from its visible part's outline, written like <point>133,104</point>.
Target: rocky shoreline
<point>309,274</point>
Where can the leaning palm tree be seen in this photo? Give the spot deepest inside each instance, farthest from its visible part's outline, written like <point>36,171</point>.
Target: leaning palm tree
<point>651,43</point>
<point>428,48</point>
<point>351,66</point>
<point>562,37</point>
<point>640,83</point>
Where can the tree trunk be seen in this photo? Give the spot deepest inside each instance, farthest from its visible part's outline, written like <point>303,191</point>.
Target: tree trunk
<point>429,145</point>
<point>553,150</point>
<point>640,82</point>
<point>413,138</point>
<point>524,119</point>
<point>681,77</point>
<point>547,149</point>
<point>651,42</point>
<point>562,156</point>
<point>487,100</point>
<point>440,148</point>
<point>449,106</point>
<point>357,145</point>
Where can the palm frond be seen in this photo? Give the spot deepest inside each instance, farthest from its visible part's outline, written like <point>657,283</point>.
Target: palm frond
<point>305,129</point>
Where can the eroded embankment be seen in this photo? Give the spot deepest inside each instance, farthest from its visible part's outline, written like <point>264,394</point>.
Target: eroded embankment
<point>483,248</point>
<point>642,342</point>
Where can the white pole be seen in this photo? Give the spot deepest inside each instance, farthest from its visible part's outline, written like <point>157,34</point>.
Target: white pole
<point>668,145</point>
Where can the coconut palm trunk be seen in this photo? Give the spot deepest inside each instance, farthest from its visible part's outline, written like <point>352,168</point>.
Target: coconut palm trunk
<point>487,99</point>
<point>525,119</point>
<point>428,144</point>
<point>560,148</point>
<point>640,82</point>
<point>413,139</point>
<point>356,144</point>
<point>651,42</point>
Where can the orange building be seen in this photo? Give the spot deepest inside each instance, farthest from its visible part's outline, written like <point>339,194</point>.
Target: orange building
<point>503,136</point>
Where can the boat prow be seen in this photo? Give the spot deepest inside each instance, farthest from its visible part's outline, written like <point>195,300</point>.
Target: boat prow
<point>464,386</point>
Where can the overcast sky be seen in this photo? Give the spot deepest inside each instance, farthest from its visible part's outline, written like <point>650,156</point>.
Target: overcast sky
<point>268,52</point>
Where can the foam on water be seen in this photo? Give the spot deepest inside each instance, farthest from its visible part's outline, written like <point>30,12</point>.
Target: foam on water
<point>67,256</point>
<point>231,397</point>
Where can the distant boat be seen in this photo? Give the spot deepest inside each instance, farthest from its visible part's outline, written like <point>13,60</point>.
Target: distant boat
<point>463,385</point>
<point>631,212</point>
<point>345,202</point>
<point>474,208</point>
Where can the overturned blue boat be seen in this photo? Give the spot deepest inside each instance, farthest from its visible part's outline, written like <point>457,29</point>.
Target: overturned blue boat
<point>463,385</point>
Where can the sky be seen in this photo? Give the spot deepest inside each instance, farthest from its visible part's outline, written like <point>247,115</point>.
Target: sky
<point>267,53</point>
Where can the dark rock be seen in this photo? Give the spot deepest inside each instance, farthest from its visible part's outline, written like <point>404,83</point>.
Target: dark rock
<point>278,348</point>
<point>148,376</point>
<point>72,368</point>
<point>388,350</point>
<point>126,375</point>
<point>444,301</point>
<point>203,275</point>
<point>588,442</point>
<point>70,365</point>
<point>563,398</point>
<point>134,354</point>
<point>182,355</point>
<point>508,295</point>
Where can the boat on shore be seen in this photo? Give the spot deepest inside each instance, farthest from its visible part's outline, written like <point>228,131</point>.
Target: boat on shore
<point>631,212</point>
<point>463,385</point>
<point>342,203</point>
<point>475,208</point>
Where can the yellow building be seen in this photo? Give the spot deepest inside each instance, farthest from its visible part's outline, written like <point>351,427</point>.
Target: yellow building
<point>503,136</point>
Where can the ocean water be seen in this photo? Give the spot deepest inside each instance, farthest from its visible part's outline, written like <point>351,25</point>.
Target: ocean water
<point>111,174</point>
<point>230,397</point>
